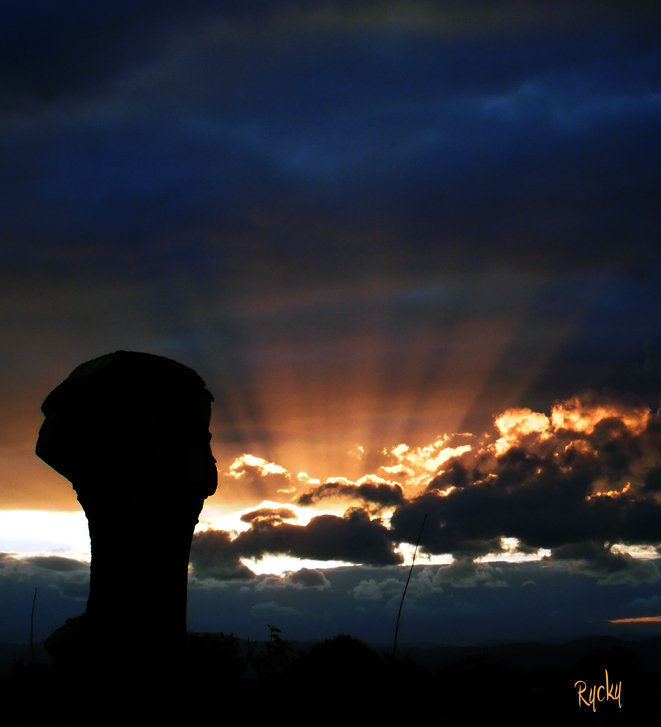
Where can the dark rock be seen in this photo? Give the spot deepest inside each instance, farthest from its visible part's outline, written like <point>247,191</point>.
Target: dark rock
<point>131,433</point>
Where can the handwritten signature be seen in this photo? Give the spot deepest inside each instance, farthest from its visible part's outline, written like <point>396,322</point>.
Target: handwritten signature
<point>612,692</point>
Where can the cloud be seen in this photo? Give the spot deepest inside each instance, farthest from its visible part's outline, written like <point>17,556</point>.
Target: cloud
<point>585,473</point>
<point>56,563</point>
<point>24,567</point>
<point>370,490</point>
<point>309,578</point>
<point>646,604</point>
<point>370,590</point>
<point>353,538</point>
<point>272,609</point>
<point>213,555</point>
<point>304,578</point>
<point>256,478</point>
<point>74,585</point>
<point>610,568</point>
<point>68,577</point>
<point>133,117</point>
<point>269,516</point>
<point>10,565</point>
<point>419,463</point>
<point>464,573</point>
<point>548,481</point>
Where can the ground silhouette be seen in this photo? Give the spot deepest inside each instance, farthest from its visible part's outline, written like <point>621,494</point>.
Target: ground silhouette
<point>130,431</point>
<point>232,681</point>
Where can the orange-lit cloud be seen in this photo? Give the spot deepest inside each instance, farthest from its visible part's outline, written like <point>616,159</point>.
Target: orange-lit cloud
<point>420,463</point>
<point>583,414</point>
<point>575,482</point>
<point>373,492</point>
<point>514,424</point>
<point>640,620</point>
<point>253,478</point>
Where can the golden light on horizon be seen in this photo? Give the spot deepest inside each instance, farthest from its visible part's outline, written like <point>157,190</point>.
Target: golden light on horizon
<point>45,532</point>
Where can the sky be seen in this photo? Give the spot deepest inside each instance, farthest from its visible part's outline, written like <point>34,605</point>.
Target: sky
<point>413,248</point>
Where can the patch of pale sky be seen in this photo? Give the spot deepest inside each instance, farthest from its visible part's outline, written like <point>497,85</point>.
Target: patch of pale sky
<point>42,532</point>
<point>280,564</point>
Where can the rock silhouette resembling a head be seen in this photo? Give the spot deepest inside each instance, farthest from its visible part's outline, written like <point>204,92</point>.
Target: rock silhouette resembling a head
<point>130,431</point>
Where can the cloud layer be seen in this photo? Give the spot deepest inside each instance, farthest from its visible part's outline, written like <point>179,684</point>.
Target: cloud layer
<point>576,482</point>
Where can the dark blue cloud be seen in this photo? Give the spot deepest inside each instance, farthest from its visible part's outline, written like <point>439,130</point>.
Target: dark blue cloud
<point>50,49</point>
<point>128,181</point>
<point>540,151</point>
<point>320,156</point>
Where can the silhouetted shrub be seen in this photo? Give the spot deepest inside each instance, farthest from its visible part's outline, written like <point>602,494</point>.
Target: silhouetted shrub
<point>404,674</point>
<point>27,693</point>
<point>214,658</point>
<point>620,661</point>
<point>343,652</point>
<point>344,669</point>
<point>273,663</point>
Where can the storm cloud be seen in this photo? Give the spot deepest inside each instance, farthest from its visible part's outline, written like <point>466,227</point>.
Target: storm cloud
<point>381,494</point>
<point>576,482</point>
<point>152,135</point>
<point>580,475</point>
<point>354,538</point>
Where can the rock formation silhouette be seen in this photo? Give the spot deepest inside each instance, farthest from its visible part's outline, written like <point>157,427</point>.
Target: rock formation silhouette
<point>130,431</point>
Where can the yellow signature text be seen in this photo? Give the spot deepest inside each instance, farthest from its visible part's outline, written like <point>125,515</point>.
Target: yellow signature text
<point>597,693</point>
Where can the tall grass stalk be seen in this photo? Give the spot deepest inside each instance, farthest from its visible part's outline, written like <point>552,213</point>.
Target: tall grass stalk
<point>415,552</point>
<point>32,625</point>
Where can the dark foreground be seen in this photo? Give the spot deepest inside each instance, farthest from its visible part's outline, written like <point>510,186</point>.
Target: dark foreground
<point>227,680</point>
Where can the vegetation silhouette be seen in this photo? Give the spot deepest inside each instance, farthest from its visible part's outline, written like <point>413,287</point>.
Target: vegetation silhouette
<point>273,663</point>
<point>406,585</point>
<point>342,676</point>
<point>213,660</point>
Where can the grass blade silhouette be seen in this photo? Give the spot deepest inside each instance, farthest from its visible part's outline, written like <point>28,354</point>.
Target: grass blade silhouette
<point>32,625</point>
<point>415,552</point>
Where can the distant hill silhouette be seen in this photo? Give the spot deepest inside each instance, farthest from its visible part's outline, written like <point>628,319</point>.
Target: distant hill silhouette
<point>536,655</point>
<point>520,654</point>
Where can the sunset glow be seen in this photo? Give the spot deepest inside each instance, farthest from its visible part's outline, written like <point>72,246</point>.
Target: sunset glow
<point>580,417</point>
<point>517,423</point>
<point>411,249</point>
